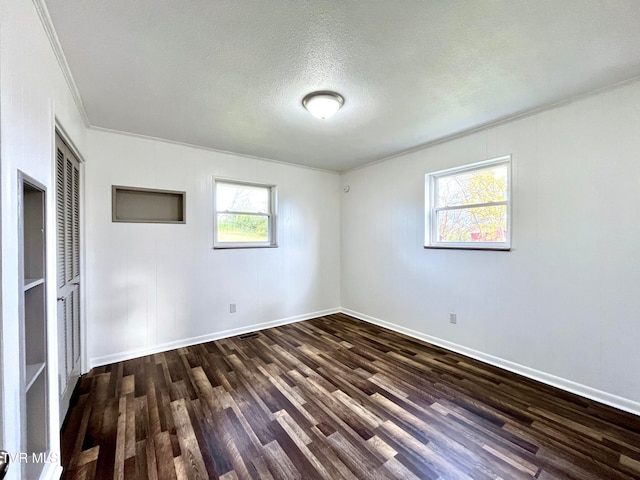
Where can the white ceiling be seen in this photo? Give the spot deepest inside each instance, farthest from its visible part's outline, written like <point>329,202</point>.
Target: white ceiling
<point>231,74</point>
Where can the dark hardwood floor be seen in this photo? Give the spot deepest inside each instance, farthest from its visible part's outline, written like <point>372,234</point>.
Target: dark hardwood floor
<point>335,398</point>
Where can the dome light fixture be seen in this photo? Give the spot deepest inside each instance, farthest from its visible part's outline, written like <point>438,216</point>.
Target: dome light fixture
<point>323,104</point>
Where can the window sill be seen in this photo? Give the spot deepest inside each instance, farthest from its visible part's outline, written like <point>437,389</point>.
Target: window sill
<point>236,246</point>
<point>490,249</point>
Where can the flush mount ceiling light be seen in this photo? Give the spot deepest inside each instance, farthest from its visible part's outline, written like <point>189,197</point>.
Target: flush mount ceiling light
<point>323,104</point>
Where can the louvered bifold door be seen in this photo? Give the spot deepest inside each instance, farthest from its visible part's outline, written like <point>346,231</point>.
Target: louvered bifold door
<point>68,264</point>
<point>68,210</point>
<point>76,221</point>
<point>60,217</point>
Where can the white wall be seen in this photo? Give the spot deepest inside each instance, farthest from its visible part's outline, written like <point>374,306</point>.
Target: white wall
<point>151,286</point>
<point>565,300</point>
<point>32,92</point>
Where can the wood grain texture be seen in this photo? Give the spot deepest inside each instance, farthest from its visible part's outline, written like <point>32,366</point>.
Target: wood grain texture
<point>335,398</point>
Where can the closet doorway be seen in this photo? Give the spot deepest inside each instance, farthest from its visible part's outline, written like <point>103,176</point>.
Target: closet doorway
<point>68,270</point>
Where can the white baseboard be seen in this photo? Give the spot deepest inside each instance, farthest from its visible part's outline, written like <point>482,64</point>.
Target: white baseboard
<point>186,342</point>
<point>606,398</point>
<point>615,401</point>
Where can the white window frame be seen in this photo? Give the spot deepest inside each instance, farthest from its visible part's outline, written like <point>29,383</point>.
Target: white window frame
<point>432,208</point>
<point>271,216</point>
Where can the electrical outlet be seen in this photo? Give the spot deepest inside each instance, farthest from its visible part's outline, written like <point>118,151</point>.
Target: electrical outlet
<point>232,308</point>
<point>453,318</point>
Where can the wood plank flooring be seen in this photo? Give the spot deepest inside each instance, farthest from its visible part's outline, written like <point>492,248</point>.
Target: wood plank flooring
<point>335,398</point>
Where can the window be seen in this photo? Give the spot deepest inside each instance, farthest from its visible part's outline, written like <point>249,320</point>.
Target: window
<point>470,206</point>
<point>244,215</point>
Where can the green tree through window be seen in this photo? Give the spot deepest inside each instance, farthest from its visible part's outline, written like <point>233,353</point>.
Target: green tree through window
<point>470,206</point>
<point>244,215</point>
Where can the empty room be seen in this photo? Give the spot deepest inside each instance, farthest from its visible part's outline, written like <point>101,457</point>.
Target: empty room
<point>319,240</point>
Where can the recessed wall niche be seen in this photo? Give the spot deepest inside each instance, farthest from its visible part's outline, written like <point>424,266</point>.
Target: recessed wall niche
<point>147,205</point>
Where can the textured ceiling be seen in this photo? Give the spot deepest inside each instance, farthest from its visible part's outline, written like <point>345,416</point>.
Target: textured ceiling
<point>230,75</point>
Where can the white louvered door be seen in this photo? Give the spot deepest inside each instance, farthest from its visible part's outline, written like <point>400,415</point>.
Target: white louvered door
<point>68,268</point>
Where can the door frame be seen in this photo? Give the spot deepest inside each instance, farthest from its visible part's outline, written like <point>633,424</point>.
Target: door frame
<point>59,129</point>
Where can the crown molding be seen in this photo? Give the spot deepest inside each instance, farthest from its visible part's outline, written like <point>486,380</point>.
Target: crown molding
<point>502,121</point>
<point>47,24</point>
<point>210,149</point>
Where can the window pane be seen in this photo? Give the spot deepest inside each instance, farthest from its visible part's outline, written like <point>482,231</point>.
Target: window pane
<point>483,224</point>
<point>242,228</point>
<point>241,198</point>
<point>478,186</point>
